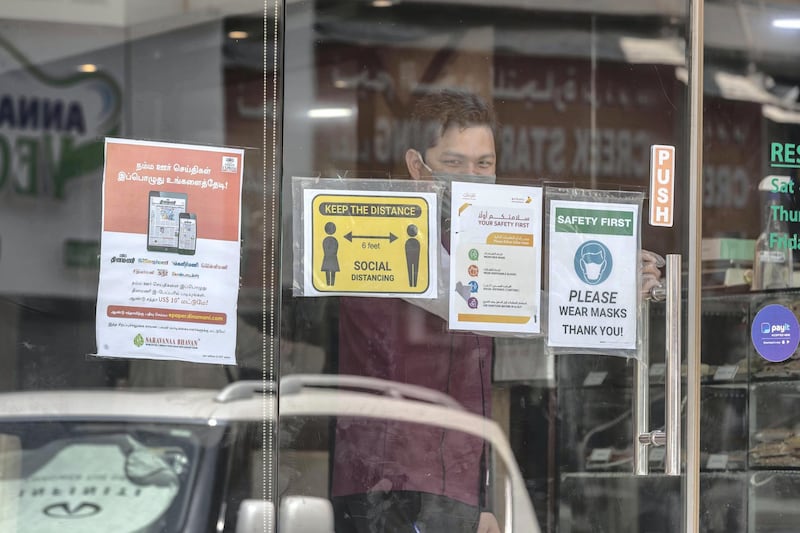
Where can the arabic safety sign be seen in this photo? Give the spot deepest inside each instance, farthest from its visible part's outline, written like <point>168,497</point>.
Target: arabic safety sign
<point>593,275</point>
<point>495,258</point>
<point>370,243</point>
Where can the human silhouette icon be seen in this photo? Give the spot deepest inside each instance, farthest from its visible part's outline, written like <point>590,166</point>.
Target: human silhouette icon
<point>412,255</point>
<point>330,254</point>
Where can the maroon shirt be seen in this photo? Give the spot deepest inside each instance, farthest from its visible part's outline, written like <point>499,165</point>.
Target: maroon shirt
<point>391,339</point>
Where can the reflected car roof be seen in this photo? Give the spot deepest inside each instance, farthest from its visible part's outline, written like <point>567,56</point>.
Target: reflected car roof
<point>301,395</point>
<point>187,405</point>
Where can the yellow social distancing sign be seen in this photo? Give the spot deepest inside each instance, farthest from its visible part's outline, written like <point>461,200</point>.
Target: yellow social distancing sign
<point>371,244</point>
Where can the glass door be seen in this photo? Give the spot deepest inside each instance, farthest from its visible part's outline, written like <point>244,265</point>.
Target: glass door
<point>569,100</point>
<point>749,258</point>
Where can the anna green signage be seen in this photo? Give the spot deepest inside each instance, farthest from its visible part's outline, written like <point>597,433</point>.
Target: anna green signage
<point>52,127</point>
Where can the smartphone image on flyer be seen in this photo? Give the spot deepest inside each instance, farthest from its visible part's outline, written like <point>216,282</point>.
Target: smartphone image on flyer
<point>187,233</point>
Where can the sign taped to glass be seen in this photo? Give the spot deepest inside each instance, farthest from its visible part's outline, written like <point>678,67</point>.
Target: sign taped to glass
<point>170,252</point>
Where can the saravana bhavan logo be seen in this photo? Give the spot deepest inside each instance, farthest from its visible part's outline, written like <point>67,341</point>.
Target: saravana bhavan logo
<point>172,342</point>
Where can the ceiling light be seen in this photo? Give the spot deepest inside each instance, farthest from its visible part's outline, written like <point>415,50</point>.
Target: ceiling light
<point>789,24</point>
<point>237,34</point>
<point>330,112</point>
<point>87,67</point>
<point>382,3</point>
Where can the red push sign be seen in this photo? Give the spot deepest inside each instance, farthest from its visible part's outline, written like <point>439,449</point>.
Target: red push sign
<point>662,185</point>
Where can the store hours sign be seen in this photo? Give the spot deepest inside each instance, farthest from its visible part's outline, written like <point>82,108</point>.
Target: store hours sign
<point>593,275</point>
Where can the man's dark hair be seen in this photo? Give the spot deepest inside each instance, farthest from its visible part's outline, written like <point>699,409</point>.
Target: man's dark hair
<point>435,112</point>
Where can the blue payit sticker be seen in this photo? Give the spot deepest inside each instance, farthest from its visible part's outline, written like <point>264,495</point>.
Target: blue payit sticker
<point>775,333</point>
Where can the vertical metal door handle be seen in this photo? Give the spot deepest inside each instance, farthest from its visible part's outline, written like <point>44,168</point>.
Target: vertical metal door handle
<point>641,394</point>
<point>671,436</point>
<point>672,458</point>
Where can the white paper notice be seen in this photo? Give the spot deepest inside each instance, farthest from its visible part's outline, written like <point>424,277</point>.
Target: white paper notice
<point>169,252</point>
<point>593,275</point>
<point>495,258</point>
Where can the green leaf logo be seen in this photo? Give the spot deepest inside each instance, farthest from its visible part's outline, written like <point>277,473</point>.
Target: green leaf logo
<point>138,340</point>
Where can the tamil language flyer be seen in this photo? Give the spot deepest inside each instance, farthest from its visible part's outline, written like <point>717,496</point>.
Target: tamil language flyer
<point>169,251</point>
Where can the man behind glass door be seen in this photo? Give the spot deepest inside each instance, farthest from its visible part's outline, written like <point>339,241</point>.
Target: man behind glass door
<point>391,476</point>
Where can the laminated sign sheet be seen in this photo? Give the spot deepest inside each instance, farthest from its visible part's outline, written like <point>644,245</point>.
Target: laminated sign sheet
<point>365,243</point>
<point>170,249</point>
<point>593,275</point>
<point>495,258</point>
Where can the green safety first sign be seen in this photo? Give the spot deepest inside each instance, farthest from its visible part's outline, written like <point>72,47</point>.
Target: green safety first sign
<point>593,275</point>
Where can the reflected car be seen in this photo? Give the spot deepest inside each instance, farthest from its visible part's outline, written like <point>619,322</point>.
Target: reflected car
<point>195,460</point>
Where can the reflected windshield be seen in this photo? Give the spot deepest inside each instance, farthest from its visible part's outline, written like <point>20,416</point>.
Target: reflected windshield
<point>100,477</point>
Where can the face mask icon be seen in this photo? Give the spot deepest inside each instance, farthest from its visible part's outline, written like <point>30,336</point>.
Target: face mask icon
<point>593,262</point>
<point>593,265</point>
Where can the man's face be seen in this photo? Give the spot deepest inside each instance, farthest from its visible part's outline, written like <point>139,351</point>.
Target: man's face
<point>467,151</point>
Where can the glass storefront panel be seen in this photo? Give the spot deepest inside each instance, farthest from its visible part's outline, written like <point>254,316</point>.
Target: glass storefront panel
<point>389,412</point>
<point>580,94</point>
<point>749,257</point>
<point>120,441</point>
